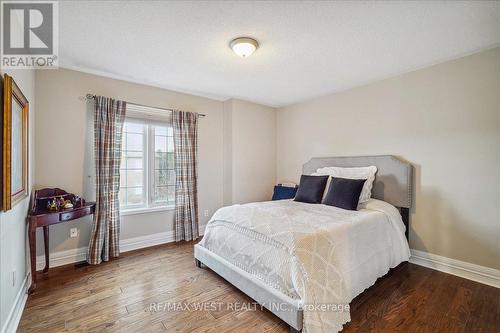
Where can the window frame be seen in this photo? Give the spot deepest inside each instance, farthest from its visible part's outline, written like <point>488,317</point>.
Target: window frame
<point>148,195</point>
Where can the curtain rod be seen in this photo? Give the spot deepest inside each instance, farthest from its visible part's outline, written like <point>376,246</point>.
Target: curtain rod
<point>90,96</point>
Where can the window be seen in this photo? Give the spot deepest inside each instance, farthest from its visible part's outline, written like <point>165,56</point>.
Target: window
<point>147,174</point>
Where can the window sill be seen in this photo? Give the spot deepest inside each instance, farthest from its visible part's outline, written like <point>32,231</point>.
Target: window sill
<point>145,210</point>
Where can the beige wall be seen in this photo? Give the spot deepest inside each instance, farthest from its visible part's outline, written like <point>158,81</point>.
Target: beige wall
<point>61,147</point>
<point>13,240</point>
<point>250,152</point>
<point>445,120</point>
<point>228,153</point>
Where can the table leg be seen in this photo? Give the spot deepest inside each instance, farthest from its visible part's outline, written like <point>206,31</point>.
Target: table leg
<point>32,241</point>
<point>46,244</point>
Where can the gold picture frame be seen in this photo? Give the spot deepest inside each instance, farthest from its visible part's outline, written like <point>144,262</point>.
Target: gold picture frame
<point>15,144</point>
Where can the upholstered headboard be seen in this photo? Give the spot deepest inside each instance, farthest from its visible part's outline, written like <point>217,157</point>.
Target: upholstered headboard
<point>393,181</point>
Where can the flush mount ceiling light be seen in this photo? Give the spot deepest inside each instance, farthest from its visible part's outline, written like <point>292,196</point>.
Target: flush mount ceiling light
<point>244,46</point>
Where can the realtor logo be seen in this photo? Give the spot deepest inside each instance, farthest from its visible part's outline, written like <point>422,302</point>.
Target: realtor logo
<point>29,34</point>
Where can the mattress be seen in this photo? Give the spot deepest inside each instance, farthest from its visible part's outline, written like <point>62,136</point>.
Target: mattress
<point>318,254</point>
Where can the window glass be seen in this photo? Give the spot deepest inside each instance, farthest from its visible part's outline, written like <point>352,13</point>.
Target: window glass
<point>147,170</point>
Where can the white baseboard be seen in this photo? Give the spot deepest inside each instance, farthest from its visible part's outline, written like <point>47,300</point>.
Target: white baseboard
<point>146,241</point>
<point>62,258</point>
<point>80,254</point>
<point>486,275</point>
<point>14,316</point>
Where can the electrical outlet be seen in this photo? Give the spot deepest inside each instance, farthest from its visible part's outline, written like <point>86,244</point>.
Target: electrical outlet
<point>73,232</point>
<point>206,212</point>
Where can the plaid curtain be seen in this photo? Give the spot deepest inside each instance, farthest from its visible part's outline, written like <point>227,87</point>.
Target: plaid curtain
<point>109,115</point>
<point>185,125</point>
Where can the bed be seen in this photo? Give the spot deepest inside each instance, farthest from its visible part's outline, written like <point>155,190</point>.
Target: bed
<point>306,262</point>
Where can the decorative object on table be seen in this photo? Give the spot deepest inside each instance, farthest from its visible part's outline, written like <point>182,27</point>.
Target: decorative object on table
<point>284,191</point>
<point>15,144</point>
<point>67,204</point>
<point>77,201</point>
<point>51,206</point>
<point>56,204</point>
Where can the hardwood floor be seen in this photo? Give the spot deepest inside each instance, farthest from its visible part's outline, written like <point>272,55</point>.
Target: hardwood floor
<point>117,296</point>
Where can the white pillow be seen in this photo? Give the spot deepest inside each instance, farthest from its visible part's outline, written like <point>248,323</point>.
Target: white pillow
<point>367,173</point>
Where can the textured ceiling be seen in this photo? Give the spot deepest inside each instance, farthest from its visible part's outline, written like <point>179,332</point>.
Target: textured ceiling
<point>307,49</point>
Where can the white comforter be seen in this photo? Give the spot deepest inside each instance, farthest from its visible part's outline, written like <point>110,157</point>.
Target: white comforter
<point>316,253</point>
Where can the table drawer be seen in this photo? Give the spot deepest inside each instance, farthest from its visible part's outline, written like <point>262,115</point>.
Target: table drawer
<point>66,216</point>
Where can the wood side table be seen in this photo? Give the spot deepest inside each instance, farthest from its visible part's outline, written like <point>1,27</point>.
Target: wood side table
<point>40,216</point>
